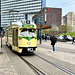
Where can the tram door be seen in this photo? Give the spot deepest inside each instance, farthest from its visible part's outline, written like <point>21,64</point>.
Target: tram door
<point>7,36</point>
<point>15,37</point>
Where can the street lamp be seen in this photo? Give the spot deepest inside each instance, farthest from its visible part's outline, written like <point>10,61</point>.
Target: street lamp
<point>0,12</point>
<point>41,25</point>
<point>11,11</point>
<point>1,33</point>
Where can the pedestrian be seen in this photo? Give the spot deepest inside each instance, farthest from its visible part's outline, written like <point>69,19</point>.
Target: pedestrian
<point>45,37</point>
<point>73,40</point>
<point>53,41</point>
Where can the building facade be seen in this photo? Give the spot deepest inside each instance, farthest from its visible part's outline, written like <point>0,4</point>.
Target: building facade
<point>69,19</point>
<point>12,10</point>
<point>51,16</point>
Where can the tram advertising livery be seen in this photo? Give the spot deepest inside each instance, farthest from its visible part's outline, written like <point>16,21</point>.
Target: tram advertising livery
<point>21,36</point>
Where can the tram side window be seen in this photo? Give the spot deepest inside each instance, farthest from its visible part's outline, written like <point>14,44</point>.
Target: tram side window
<point>10,32</point>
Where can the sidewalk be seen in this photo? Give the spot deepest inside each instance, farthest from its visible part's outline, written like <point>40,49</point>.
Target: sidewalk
<point>61,55</point>
<point>6,67</point>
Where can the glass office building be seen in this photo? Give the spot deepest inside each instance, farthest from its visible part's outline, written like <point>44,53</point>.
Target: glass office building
<point>12,10</point>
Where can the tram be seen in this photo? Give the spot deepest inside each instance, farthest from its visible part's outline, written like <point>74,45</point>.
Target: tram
<point>21,36</point>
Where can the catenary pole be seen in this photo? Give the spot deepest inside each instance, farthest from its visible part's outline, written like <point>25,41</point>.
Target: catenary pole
<point>41,25</point>
<point>0,13</point>
<point>1,38</point>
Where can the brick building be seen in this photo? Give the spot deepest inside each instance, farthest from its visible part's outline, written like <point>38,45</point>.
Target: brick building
<point>50,16</point>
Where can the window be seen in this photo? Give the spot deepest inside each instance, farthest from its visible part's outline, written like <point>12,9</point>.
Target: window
<point>45,18</point>
<point>28,32</point>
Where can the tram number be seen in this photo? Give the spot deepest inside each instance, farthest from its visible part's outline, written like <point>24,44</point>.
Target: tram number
<point>30,49</point>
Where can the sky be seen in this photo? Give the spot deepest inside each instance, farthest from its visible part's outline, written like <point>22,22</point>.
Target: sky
<point>66,5</point>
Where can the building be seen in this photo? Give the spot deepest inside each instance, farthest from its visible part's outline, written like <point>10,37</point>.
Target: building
<point>12,10</point>
<point>50,16</point>
<point>69,19</point>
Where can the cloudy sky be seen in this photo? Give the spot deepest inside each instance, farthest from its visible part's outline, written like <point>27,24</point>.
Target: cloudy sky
<point>66,5</point>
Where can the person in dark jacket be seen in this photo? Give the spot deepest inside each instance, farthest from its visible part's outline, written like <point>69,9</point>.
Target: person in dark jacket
<point>45,37</point>
<point>73,40</point>
<point>53,41</point>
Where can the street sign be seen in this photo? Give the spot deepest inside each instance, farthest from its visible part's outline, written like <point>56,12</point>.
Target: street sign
<point>40,20</point>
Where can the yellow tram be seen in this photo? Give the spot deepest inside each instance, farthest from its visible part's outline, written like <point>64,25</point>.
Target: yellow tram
<point>21,36</point>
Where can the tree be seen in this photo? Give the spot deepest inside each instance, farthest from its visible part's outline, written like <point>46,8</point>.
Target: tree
<point>46,31</point>
<point>54,29</point>
<point>65,28</point>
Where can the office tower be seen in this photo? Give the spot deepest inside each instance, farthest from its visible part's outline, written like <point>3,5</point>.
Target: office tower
<point>12,10</point>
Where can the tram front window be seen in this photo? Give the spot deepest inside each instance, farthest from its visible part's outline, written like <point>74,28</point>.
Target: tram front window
<point>32,32</point>
<point>28,32</point>
<point>24,32</point>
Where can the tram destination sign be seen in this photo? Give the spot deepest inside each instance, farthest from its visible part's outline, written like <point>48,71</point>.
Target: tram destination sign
<point>28,26</point>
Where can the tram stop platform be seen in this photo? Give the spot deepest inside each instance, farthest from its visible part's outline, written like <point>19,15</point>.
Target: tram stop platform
<point>6,67</point>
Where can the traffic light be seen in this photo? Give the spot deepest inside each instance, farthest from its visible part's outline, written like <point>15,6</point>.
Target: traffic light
<point>48,9</point>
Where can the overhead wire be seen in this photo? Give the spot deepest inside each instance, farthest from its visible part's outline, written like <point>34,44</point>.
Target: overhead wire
<point>66,3</point>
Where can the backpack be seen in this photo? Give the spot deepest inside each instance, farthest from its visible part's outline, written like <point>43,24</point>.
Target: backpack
<point>55,40</point>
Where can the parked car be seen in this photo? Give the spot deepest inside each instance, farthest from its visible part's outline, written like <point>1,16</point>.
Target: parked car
<point>48,37</point>
<point>60,37</point>
<point>68,38</point>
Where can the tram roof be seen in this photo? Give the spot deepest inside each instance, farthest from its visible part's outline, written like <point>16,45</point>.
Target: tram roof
<point>23,24</point>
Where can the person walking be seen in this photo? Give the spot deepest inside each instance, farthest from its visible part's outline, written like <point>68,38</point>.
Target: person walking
<point>73,40</point>
<point>45,37</point>
<point>53,41</point>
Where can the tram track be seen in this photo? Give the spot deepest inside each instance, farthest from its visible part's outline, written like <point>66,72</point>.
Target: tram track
<point>68,71</point>
<point>38,72</point>
<point>57,66</point>
<point>35,69</point>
